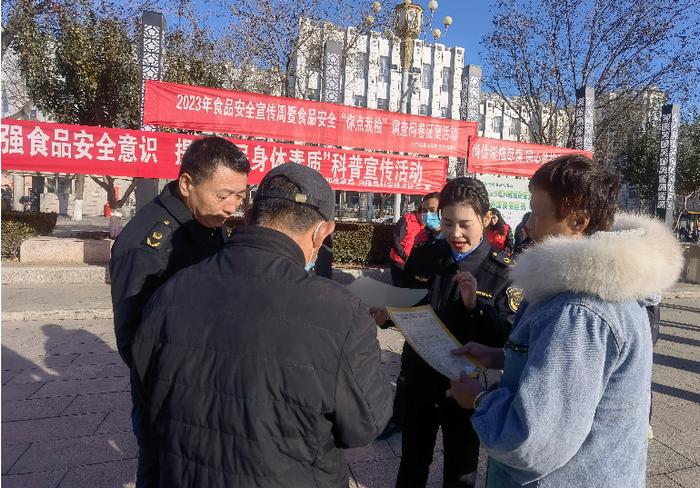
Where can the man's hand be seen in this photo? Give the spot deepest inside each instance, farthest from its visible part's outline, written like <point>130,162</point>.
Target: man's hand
<point>467,288</point>
<point>379,315</point>
<point>465,389</point>
<point>483,356</point>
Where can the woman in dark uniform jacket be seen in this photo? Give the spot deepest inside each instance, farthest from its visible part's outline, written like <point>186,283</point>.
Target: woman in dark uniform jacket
<point>463,256</point>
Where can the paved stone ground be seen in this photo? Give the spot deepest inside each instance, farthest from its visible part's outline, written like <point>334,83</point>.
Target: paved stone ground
<point>65,407</point>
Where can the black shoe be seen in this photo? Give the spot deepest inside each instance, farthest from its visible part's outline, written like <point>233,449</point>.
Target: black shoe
<point>390,429</point>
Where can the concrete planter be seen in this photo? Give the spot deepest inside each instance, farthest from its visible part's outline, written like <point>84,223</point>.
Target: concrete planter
<point>62,251</point>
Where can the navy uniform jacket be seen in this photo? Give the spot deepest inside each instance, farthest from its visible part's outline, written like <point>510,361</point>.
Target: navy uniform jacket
<point>433,267</point>
<point>161,239</point>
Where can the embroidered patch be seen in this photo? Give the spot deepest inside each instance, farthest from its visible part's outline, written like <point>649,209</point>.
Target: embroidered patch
<point>421,279</point>
<point>154,240</point>
<point>515,347</point>
<point>515,298</point>
<point>158,234</point>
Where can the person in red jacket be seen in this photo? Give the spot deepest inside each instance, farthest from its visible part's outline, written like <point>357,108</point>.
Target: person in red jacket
<point>500,234</point>
<point>407,229</point>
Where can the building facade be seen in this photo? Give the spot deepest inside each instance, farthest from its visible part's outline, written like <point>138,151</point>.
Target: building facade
<point>369,69</point>
<point>363,69</point>
<point>512,120</point>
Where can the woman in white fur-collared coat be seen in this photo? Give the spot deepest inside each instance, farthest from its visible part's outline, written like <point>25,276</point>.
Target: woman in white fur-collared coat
<point>573,404</point>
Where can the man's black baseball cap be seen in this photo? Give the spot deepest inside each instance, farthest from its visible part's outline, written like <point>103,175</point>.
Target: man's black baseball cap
<point>315,192</point>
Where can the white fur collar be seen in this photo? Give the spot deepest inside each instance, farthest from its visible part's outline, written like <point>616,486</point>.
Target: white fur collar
<point>638,259</point>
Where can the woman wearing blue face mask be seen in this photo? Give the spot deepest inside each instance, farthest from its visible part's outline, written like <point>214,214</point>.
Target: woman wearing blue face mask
<point>469,290</point>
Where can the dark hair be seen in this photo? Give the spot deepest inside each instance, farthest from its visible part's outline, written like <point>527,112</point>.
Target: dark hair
<point>466,191</point>
<point>575,183</point>
<point>500,226</point>
<point>280,213</point>
<point>435,194</point>
<point>204,155</point>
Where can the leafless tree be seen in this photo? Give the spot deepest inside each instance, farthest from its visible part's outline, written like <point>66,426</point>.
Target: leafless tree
<point>542,50</point>
<point>265,36</point>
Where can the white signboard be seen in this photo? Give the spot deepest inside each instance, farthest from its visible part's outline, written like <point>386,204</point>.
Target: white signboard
<point>509,194</point>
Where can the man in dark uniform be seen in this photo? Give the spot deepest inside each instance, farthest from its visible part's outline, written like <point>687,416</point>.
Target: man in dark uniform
<point>180,227</point>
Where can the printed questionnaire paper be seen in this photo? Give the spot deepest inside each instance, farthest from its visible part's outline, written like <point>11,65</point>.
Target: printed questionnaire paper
<point>380,295</point>
<point>431,340</point>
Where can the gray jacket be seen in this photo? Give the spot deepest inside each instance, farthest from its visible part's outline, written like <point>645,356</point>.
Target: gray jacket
<point>573,405</point>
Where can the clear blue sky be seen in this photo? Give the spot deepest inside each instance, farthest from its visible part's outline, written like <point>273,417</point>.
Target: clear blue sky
<point>472,19</point>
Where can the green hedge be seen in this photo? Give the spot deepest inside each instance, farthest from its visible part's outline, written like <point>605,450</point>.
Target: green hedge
<point>356,244</point>
<point>361,244</point>
<point>42,223</point>
<point>13,235</point>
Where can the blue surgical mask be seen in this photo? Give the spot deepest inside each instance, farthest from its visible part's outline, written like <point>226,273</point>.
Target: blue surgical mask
<point>432,220</point>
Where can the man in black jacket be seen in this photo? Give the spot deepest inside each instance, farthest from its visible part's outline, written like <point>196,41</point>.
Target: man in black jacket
<point>180,227</point>
<point>255,372</point>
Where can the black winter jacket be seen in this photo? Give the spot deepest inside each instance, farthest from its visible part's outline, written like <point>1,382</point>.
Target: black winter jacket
<point>255,373</point>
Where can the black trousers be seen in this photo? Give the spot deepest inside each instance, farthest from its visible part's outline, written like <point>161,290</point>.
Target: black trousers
<point>147,472</point>
<point>425,408</point>
<point>396,275</point>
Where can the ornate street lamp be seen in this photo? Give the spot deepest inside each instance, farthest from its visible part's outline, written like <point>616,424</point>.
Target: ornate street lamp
<point>408,26</point>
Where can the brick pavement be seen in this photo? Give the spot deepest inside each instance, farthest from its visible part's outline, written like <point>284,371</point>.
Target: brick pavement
<point>65,408</point>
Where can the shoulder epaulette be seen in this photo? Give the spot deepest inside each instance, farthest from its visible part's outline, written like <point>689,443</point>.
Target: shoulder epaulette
<point>158,234</point>
<point>502,258</point>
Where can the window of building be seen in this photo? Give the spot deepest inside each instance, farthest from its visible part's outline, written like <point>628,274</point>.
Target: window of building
<point>424,110</point>
<point>314,94</point>
<point>360,101</point>
<point>427,75</point>
<point>361,65</point>
<point>496,123</point>
<point>515,127</point>
<point>445,79</point>
<point>382,104</point>
<point>384,68</point>
<point>443,112</point>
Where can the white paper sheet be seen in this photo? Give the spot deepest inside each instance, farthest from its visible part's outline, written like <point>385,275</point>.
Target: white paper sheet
<point>380,295</point>
<point>431,340</point>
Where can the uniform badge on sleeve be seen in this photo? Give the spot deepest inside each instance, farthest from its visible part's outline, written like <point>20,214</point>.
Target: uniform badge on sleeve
<point>158,234</point>
<point>154,240</point>
<point>515,298</point>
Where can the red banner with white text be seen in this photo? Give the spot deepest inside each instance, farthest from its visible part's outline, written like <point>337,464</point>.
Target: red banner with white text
<point>508,158</point>
<point>292,119</point>
<point>59,148</point>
